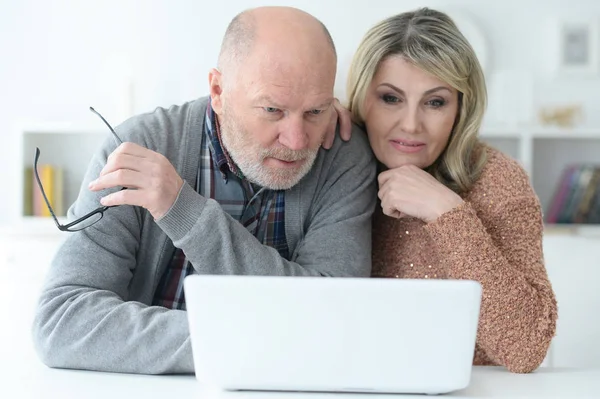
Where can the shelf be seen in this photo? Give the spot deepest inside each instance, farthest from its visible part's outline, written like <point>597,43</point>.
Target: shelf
<point>584,230</point>
<point>62,128</point>
<point>69,152</point>
<point>565,133</point>
<point>541,132</point>
<point>33,226</point>
<point>500,132</point>
<point>551,157</point>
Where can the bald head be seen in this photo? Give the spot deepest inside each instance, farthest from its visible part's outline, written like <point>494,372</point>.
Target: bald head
<point>273,29</point>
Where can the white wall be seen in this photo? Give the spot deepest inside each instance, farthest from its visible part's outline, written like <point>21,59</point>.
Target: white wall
<point>59,57</point>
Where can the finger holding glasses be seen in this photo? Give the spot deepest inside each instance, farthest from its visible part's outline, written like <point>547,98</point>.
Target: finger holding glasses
<point>148,178</point>
<point>151,180</point>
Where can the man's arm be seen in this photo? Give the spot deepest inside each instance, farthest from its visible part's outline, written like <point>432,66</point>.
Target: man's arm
<point>337,242</point>
<point>85,319</point>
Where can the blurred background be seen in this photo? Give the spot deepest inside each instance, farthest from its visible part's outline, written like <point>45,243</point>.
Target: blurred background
<point>542,65</point>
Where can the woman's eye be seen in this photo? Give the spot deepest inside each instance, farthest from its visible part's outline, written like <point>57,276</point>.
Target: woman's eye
<point>437,103</point>
<point>315,111</point>
<point>388,98</point>
<point>271,110</point>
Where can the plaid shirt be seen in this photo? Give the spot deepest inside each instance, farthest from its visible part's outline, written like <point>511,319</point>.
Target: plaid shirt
<point>259,210</point>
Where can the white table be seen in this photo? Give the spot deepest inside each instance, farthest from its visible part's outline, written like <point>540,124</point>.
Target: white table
<point>37,381</point>
<point>23,376</point>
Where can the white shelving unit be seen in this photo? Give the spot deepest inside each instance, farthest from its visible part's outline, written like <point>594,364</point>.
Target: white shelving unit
<point>543,152</point>
<point>65,146</point>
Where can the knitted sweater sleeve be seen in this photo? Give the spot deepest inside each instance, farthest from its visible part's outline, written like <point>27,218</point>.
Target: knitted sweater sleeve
<point>499,244</point>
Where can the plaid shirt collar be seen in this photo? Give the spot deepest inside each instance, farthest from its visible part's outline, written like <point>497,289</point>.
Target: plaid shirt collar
<point>221,157</point>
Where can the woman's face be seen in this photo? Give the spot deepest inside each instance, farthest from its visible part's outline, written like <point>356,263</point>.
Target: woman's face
<point>409,114</point>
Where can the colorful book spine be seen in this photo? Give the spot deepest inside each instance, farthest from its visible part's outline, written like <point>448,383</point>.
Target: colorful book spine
<point>52,179</point>
<point>577,196</point>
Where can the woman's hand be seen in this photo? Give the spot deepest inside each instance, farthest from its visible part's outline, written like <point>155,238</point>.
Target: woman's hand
<point>410,191</point>
<point>341,115</point>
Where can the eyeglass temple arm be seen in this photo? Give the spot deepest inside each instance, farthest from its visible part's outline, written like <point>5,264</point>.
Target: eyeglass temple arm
<point>107,124</point>
<point>41,187</point>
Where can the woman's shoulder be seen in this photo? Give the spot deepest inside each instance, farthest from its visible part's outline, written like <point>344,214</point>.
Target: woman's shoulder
<point>501,175</point>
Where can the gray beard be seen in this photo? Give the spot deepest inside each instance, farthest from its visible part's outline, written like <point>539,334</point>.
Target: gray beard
<point>249,158</point>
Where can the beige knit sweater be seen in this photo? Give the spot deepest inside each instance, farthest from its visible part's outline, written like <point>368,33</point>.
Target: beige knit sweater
<point>494,237</point>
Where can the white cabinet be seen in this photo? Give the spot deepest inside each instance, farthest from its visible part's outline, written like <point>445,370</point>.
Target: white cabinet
<point>573,264</point>
<point>24,260</point>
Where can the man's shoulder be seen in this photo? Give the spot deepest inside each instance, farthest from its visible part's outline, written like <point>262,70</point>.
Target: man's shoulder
<point>153,128</point>
<point>359,141</point>
<point>353,158</point>
<point>174,111</point>
<point>355,150</point>
<point>174,132</point>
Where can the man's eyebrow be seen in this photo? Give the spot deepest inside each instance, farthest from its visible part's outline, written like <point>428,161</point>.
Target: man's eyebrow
<point>324,104</point>
<point>268,100</point>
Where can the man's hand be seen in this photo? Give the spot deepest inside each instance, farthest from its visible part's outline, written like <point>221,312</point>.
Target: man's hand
<point>342,115</point>
<point>151,180</point>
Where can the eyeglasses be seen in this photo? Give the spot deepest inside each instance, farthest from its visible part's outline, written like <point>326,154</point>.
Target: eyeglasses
<point>87,220</point>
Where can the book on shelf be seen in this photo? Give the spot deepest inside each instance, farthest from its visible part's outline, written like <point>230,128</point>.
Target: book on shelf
<point>576,199</point>
<point>52,178</point>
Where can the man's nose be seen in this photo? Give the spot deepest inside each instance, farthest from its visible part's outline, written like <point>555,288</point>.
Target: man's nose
<point>293,134</point>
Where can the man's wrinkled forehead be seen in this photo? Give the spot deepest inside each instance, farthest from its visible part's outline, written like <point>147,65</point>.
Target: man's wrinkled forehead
<point>297,88</point>
<point>292,77</point>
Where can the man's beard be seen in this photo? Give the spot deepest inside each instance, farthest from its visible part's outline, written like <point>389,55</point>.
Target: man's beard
<point>249,157</point>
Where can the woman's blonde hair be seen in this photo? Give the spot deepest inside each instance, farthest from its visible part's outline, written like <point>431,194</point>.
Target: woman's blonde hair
<point>431,41</point>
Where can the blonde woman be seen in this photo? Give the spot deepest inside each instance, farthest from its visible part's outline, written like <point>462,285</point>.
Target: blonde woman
<point>450,207</point>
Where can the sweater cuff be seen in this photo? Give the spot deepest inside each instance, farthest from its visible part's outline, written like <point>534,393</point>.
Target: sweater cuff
<point>451,219</point>
<point>450,232</point>
<point>184,213</point>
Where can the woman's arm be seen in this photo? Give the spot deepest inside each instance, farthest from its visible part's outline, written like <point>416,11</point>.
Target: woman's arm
<point>503,251</point>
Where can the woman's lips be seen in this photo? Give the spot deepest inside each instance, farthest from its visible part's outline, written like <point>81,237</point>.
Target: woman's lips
<point>407,146</point>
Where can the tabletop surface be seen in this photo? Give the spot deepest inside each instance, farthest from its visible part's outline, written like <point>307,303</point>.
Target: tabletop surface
<point>22,375</point>
<point>39,381</point>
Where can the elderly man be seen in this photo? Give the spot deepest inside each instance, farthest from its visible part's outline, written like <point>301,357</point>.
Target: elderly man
<point>235,183</point>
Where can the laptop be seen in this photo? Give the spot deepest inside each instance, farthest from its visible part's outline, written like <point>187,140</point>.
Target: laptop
<point>324,334</point>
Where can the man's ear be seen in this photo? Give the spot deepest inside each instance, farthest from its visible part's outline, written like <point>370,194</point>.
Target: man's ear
<point>215,84</point>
